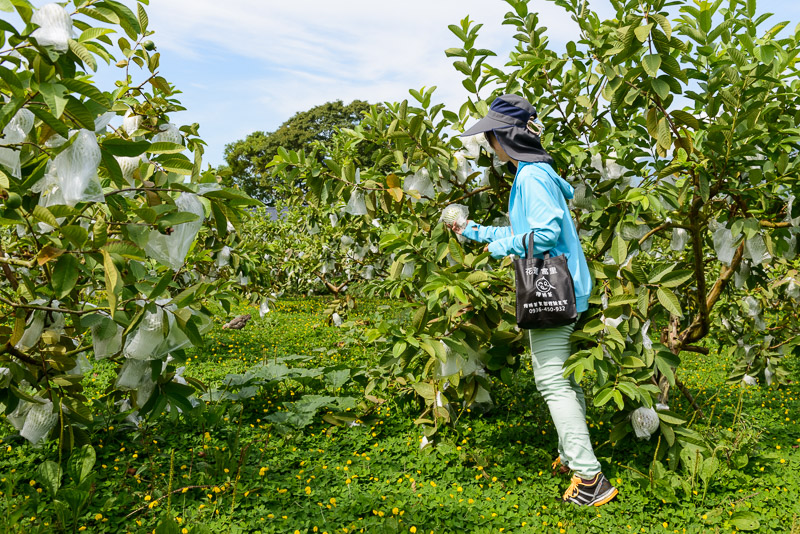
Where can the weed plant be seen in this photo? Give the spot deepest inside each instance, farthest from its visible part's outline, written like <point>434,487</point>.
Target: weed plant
<point>233,466</point>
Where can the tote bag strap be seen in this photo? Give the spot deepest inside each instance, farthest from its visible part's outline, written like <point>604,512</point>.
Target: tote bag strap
<point>527,244</point>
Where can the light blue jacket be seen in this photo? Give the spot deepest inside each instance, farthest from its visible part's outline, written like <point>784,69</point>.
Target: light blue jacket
<point>538,202</point>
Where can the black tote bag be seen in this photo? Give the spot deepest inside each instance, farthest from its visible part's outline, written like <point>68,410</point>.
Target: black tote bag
<point>545,290</point>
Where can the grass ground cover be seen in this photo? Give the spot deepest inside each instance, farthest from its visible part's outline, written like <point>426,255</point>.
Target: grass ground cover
<point>229,468</point>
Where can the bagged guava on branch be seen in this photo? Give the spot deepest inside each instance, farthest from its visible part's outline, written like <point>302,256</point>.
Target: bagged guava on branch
<point>106,338</point>
<point>128,166</point>
<point>472,145</point>
<point>15,132</point>
<point>17,417</point>
<point>644,421</point>
<point>168,133</point>
<point>39,422</point>
<point>72,175</point>
<point>724,244</point>
<point>131,122</point>
<point>55,27</point>
<point>131,373</point>
<point>223,257</point>
<point>463,168</point>
<point>679,239</point>
<point>33,331</point>
<point>455,215</point>
<point>147,336</point>
<point>171,250</point>
<point>356,206</point>
<point>419,185</point>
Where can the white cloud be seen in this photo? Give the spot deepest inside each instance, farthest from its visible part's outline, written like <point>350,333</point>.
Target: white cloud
<point>294,55</point>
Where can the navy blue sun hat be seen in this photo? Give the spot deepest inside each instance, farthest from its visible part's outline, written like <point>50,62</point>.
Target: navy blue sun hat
<point>512,120</point>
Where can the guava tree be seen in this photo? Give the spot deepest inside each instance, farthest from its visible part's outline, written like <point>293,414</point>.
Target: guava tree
<point>113,236</point>
<point>678,129</point>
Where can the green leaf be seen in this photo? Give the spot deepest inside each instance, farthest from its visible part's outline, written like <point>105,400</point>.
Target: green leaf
<point>456,251</point>
<point>664,23</point>
<point>687,119</point>
<point>603,396</point>
<point>425,390</point>
<point>745,520</point>
<point>122,147</point>
<point>127,19</point>
<point>88,90</point>
<point>65,275</point>
<point>54,97</point>
<point>619,250</point>
<point>642,32</point>
<point>83,54</point>
<point>125,249</point>
<point>670,417</point>
<point>46,117</point>
<point>113,281</point>
<point>144,21</point>
<point>651,63</point>
<point>81,463</point>
<point>668,299</point>
<point>166,148</point>
<point>6,5</point>
<point>677,278</point>
<point>42,214</point>
<point>50,475</point>
<point>661,88</point>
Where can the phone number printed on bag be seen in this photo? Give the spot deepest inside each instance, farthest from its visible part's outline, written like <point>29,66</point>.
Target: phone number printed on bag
<point>546,306</point>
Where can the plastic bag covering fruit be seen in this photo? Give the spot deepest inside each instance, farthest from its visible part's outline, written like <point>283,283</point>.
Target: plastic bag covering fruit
<point>336,319</point>
<point>171,250</point>
<point>168,133</point>
<point>75,172</point>
<point>647,343</point>
<point>463,168</point>
<point>793,289</point>
<point>55,27</point>
<point>128,166</point>
<point>147,337</point>
<point>419,185</point>
<point>757,249</point>
<point>679,239</point>
<point>131,374</point>
<point>176,339</point>
<point>5,377</point>
<point>644,421</point>
<point>408,270</point>
<point>82,365</point>
<point>748,380</point>
<point>724,244</point>
<point>33,332</point>
<point>473,144</point>
<point>15,132</point>
<point>455,214</point>
<point>106,338</point>
<point>224,257</point>
<point>264,308</point>
<point>39,422</point>
<point>17,417</point>
<point>131,122</point>
<point>356,205</point>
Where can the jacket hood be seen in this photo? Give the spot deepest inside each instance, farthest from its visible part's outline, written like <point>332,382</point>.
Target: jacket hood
<point>562,184</point>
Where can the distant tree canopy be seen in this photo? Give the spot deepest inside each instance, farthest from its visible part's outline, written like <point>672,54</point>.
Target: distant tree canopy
<point>248,158</point>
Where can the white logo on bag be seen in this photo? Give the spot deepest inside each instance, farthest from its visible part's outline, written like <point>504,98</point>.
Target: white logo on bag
<point>543,285</point>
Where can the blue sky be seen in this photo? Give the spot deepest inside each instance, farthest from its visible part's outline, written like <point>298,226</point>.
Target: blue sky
<point>247,65</point>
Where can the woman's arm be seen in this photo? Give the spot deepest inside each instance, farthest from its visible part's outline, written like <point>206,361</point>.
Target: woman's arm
<point>486,234</point>
<point>543,214</point>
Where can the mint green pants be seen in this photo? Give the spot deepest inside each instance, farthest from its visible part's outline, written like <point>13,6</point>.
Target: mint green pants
<point>550,348</point>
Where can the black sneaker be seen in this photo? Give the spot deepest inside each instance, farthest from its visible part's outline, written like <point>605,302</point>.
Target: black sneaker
<point>593,492</point>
